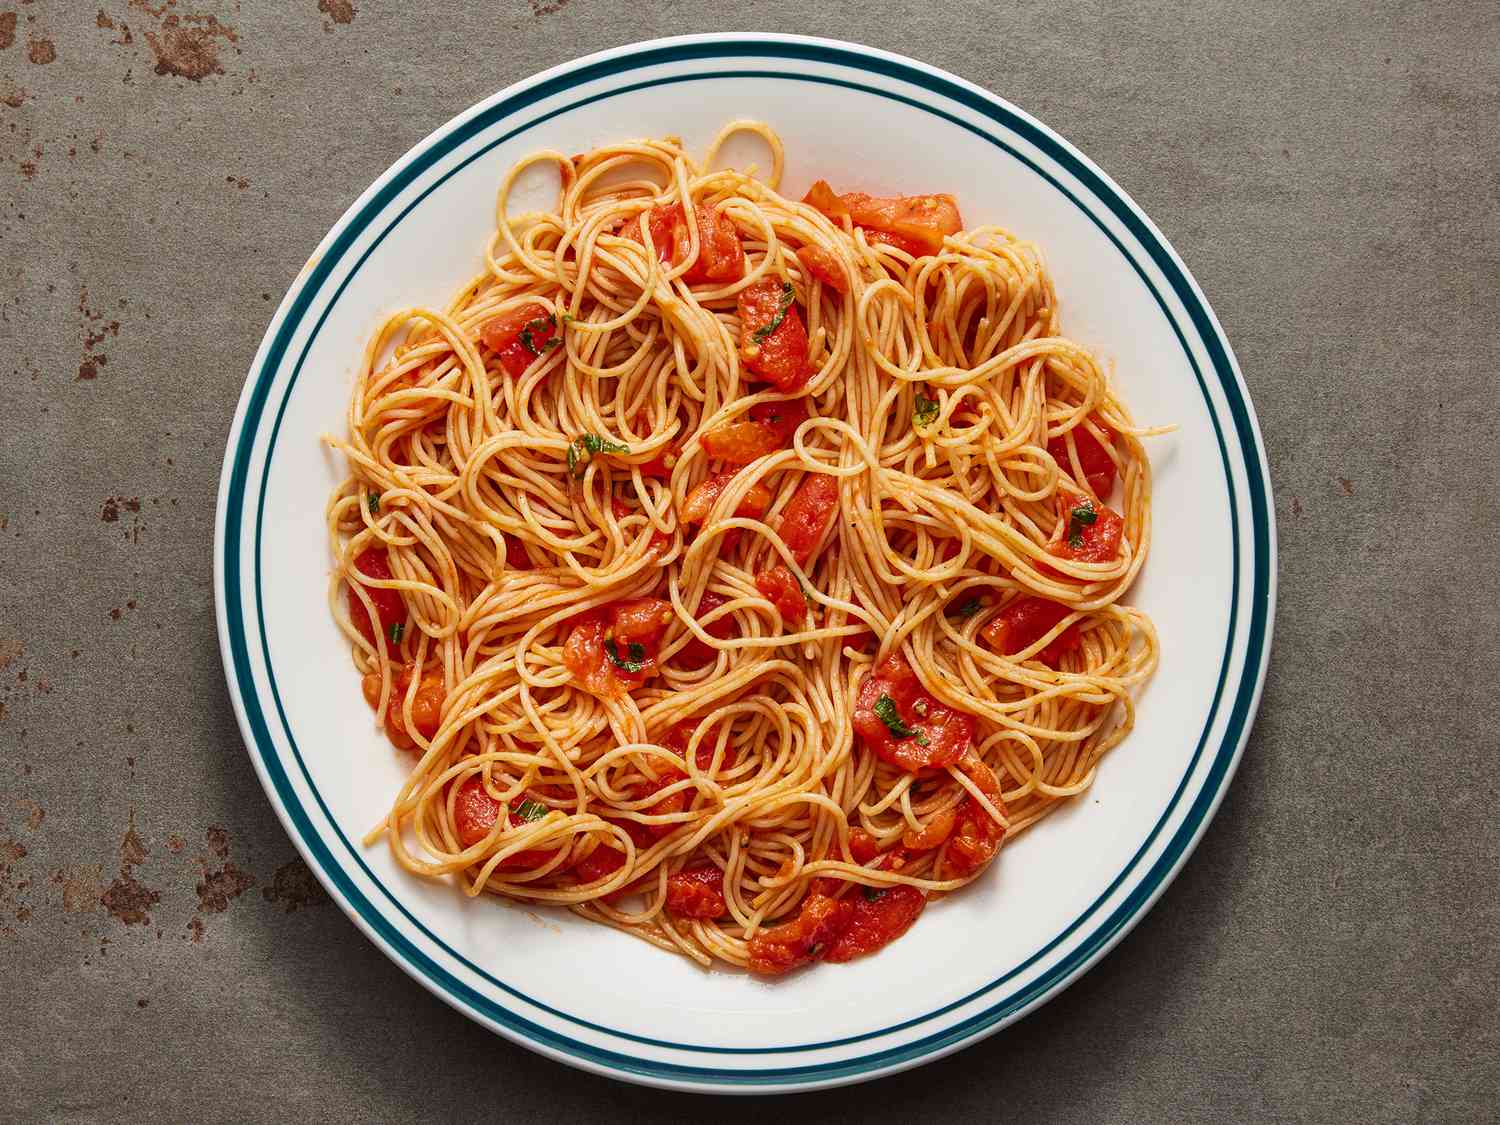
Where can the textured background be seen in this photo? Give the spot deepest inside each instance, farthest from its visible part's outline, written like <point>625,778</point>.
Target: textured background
<point>1330,171</point>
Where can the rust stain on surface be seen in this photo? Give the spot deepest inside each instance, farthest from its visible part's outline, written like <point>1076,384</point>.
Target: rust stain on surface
<point>221,887</point>
<point>294,886</point>
<point>9,650</point>
<point>11,853</point>
<point>41,51</point>
<point>12,95</point>
<point>7,30</point>
<point>95,330</point>
<point>188,46</point>
<point>35,814</point>
<point>127,899</point>
<point>339,11</point>
<point>81,887</point>
<point>1346,486</point>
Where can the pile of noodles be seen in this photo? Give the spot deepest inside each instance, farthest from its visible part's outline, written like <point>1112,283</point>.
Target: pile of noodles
<point>464,457</point>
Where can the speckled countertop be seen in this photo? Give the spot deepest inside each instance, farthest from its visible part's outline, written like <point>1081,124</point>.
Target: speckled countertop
<point>1327,169</point>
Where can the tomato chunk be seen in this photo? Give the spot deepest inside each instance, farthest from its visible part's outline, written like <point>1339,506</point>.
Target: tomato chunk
<point>721,255</point>
<point>919,222</point>
<point>876,919</point>
<point>780,949</point>
<point>769,427</point>
<point>669,804</point>
<point>900,242</point>
<point>700,501</point>
<point>825,267</point>
<point>1086,531</point>
<point>826,200</point>
<point>519,336</point>
<point>599,864</point>
<point>780,587</point>
<point>474,812</point>
<point>1093,457</point>
<point>773,340</point>
<point>696,892</point>
<point>515,553</point>
<point>695,653</point>
<point>641,619</point>
<point>976,835</point>
<point>808,514</point>
<point>905,725</point>
<point>933,833</point>
<point>679,736</point>
<point>474,815</point>
<point>1026,620</point>
<point>389,606</point>
<point>862,846</point>
<point>612,649</point>
<point>426,705</point>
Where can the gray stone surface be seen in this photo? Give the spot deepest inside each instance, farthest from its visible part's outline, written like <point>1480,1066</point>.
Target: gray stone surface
<point>1331,172</point>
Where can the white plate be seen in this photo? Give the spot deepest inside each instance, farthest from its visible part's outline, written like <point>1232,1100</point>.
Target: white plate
<point>1061,895</point>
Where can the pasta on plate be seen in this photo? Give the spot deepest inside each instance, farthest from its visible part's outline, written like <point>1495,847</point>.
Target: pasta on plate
<point>738,571</point>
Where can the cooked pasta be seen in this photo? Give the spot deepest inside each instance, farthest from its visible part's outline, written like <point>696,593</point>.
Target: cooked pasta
<point>738,571</point>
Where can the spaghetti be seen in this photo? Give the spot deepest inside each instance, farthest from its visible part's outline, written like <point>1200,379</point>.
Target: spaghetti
<point>740,571</point>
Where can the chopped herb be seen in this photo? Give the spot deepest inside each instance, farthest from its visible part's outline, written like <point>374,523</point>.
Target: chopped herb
<point>529,810</point>
<point>764,331</point>
<point>926,412</point>
<point>568,318</point>
<point>635,653</point>
<point>971,607</point>
<point>885,711</point>
<point>1080,518</point>
<point>873,894</point>
<point>398,630</point>
<point>582,449</point>
<point>540,324</point>
<point>374,503</point>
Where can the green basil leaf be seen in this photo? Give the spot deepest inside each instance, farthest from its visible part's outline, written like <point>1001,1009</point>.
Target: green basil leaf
<point>885,711</point>
<point>529,810</point>
<point>1081,517</point>
<point>635,653</point>
<point>762,333</point>
<point>397,631</point>
<point>926,411</point>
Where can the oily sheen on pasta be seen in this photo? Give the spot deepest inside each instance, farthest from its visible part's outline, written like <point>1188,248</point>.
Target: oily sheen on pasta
<point>734,570</point>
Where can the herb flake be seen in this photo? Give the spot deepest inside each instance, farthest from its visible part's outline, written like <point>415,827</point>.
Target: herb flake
<point>873,894</point>
<point>762,333</point>
<point>1081,517</point>
<point>926,411</point>
<point>583,449</point>
<point>374,503</point>
<point>885,711</point>
<point>529,810</point>
<point>635,656</point>
<point>971,607</point>
<point>540,324</point>
<point>397,631</point>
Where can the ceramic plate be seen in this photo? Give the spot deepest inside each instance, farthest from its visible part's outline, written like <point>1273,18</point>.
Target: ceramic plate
<point>1061,895</point>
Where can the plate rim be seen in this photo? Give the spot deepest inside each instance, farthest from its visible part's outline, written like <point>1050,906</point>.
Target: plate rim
<point>1239,416</point>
